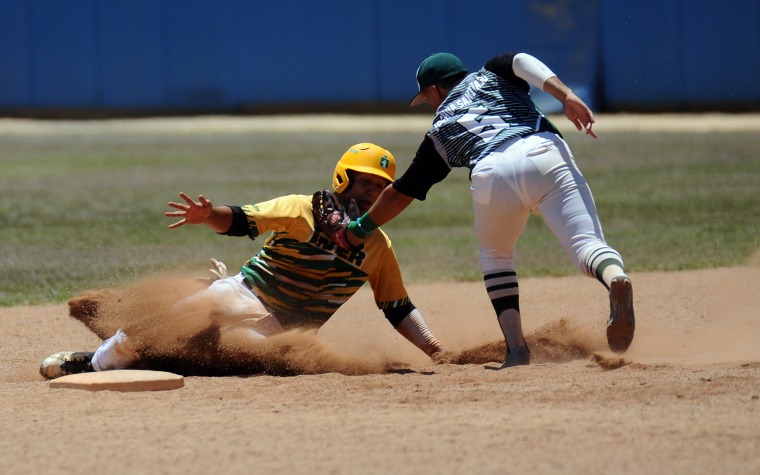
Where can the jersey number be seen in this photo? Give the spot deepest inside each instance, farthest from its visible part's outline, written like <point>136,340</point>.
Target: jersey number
<point>485,127</point>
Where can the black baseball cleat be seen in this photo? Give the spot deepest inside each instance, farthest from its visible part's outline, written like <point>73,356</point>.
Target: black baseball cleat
<point>520,356</point>
<point>622,323</point>
<point>66,362</point>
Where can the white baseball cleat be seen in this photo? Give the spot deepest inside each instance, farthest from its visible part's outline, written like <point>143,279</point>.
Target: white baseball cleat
<point>64,363</point>
<point>621,325</point>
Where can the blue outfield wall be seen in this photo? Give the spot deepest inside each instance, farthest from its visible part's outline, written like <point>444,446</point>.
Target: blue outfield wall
<point>680,55</point>
<point>244,55</point>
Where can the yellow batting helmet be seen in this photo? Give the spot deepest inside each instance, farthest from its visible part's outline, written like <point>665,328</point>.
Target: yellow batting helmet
<point>364,158</point>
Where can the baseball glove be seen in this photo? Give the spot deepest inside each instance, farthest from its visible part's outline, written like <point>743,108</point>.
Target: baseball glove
<point>331,217</point>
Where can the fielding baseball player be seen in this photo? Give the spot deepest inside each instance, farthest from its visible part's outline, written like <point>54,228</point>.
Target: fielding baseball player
<point>300,277</point>
<point>519,163</point>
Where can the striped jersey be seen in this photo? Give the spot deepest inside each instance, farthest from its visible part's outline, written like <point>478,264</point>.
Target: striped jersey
<point>486,109</point>
<point>303,276</point>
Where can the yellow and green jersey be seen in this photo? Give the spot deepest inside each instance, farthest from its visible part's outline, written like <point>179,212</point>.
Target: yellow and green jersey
<point>303,276</point>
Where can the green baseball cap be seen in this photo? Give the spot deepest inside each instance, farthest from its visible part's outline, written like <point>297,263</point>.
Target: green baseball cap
<point>435,69</point>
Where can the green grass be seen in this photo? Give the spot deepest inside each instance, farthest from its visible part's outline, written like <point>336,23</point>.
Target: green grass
<point>83,210</point>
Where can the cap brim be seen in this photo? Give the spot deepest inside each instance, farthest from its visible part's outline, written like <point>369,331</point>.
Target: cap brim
<point>417,100</point>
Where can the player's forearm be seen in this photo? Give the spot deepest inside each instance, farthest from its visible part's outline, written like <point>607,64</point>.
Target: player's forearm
<point>220,219</point>
<point>574,105</point>
<point>557,88</point>
<point>576,110</point>
<point>389,205</point>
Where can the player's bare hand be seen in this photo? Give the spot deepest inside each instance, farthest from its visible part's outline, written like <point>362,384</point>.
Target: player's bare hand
<point>194,212</point>
<point>579,114</point>
<point>218,271</point>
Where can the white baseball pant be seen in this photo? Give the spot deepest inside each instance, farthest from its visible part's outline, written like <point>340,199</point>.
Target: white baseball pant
<point>535,174</point>
<point>234,307</point>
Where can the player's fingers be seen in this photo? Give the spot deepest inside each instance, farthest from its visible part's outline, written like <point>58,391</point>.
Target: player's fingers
<point>177,224</point>
<point>174,214</point>
<point>187,199</point>
<point>178,205</point>
<point>586,128</point>
<point>204,201</point>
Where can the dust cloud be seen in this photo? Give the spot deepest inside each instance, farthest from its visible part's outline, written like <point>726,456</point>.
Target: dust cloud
<point>676,324</point>
<point>190,344</point>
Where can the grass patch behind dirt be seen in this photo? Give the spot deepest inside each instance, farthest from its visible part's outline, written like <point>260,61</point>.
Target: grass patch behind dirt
<point>82,208</point>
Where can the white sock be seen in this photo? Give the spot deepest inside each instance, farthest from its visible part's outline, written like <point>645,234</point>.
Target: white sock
<point>114,353</point>
<point>610,272</point>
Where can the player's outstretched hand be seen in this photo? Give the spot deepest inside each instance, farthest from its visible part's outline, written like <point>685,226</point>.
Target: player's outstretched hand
<point>579,114</point>
<point>191,213</point>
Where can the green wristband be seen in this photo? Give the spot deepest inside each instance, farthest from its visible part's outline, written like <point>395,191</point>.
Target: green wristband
<point>362,227</point>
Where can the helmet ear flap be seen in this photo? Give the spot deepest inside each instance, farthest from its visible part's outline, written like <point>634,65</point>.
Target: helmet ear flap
<point>341,180</point>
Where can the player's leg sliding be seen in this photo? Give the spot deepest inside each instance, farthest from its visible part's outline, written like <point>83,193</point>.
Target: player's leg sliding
<point>504,293</point>
<point>115,353</point>
<point>249,320</point>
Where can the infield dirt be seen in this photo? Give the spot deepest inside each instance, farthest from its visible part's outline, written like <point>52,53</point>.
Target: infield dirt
<point>684,399</point>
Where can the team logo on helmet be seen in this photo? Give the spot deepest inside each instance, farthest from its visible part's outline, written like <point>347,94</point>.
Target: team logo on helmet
<point>384,161</point>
